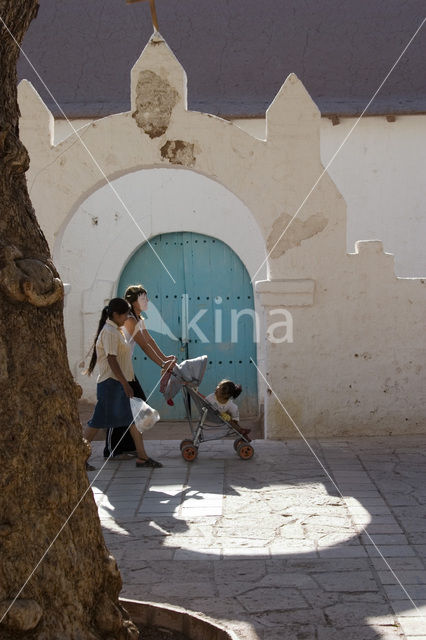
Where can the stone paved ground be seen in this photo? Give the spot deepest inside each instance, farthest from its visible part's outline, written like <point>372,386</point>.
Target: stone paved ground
<point>268,547</point>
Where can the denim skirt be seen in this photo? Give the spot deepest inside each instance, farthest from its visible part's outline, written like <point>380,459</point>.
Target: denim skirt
<point>112,408</point>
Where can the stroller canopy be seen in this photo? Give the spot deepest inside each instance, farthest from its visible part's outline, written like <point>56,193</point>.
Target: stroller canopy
<point>190,372</point>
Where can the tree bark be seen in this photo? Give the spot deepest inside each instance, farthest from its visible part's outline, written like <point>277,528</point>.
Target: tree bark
<point>73,592</point>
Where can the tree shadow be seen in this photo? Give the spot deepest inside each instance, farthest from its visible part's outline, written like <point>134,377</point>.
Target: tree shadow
<point>288,557</point>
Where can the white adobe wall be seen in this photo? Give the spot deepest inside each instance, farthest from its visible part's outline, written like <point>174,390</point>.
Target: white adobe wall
<point>380,173</point>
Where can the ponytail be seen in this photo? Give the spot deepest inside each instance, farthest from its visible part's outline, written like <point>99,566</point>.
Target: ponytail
<point>116,305</point>
<point>237,390</point>
<point>94,358</point>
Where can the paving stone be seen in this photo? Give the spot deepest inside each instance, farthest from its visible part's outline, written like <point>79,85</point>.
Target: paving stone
<point>209,553</point>
<point>372,510</point>
<point>342,552</point>
<point>218,607</point>
<point>417,537</point>
<point>319,599</point>
<point>331,539</point>
<point>385,539</point>
<point>291,619</point>
<point>389,550</point>
<point>415,591</point>
<point>297,631</point>
<point>260,599</point>
<point>405,577</point>
<point>200,512</point>
<point>277,559</point>
<point>340,615</point>
<point>243,552</point>
<point>338,581</point>
<point>375,528</point>
<point>190,589</point>
<point>358,632</point>
<point>297,580</point>
<point>413,626</point>
<point>405,609</point>
<point>148,575</point>
<point>324,564</point>
<point>373,501</point>
<point>399,564</point>
<point>400,499</point>
<point>361,597</point>
<point>292,547</point>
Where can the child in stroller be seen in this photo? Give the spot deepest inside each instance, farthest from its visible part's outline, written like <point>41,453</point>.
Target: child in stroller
<point>217,414</point>
<point>221,401</point>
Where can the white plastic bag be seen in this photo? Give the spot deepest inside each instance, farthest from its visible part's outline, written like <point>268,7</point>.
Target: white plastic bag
<point>144,416</point>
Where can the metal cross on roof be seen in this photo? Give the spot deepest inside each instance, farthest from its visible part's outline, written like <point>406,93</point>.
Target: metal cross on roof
<point>153,12</point>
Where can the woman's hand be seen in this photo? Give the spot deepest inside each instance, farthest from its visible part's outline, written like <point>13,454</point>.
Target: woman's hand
<point>168,364</point>
<point>128,390</point>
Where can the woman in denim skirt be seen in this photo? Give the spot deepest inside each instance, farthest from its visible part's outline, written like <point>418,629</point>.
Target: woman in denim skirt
<point>112,354</point>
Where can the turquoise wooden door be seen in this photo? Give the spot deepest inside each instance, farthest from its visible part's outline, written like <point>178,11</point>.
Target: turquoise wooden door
<point>209,310</point>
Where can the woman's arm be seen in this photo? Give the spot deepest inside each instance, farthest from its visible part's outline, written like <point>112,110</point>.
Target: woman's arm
<point>116,369</point>
<point>147,343</point>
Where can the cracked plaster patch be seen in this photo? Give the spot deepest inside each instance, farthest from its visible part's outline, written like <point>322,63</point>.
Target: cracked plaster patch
<point>179,152</point>
<point>155,100</point>
<point>298,231</point>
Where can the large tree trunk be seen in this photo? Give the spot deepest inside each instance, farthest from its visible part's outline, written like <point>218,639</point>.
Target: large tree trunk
<point>73,591</point>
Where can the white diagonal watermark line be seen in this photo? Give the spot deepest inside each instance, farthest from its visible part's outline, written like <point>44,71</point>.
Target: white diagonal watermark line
<point>340,147</point>
<point>95,162</point>
<point>72,513</point>
<point>361,527</point>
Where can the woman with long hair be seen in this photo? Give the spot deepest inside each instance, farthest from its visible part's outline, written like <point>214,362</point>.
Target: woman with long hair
<point>136,331</point>
<point>116,379</point>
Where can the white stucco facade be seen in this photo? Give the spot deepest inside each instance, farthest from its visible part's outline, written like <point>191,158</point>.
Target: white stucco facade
<point>356,365</point>
<point>377,170</point>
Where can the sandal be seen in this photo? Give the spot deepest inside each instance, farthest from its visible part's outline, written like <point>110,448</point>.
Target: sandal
<point>148,462</point>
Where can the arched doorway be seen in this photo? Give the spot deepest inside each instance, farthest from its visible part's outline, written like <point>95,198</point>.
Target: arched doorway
<point>209,310</point>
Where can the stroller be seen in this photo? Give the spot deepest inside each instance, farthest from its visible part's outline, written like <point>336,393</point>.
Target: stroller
<point>210,425</point>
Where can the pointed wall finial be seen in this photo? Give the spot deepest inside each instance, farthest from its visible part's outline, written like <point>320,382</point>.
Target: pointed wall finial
<point>292,112</point>
<point>158,87</point>
<point>34,113</point>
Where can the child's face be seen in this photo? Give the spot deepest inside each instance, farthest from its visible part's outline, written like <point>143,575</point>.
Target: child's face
<point>220,393</point>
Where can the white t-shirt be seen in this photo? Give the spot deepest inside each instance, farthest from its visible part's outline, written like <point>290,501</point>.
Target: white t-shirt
<point>140,326</point>
<point>229,407</point>
<point>111,341</point>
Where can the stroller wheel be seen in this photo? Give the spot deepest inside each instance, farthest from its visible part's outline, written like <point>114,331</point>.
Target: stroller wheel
<point>237,442</point>
<point>184,443</point>
<point>245,451</point>
<point>189,452</point>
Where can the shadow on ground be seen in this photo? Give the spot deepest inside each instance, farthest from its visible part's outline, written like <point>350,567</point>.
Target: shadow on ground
<point>283,555</point>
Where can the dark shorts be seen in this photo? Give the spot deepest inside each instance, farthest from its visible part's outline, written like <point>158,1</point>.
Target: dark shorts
<point>112,408</point>
<point>119,440</point>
